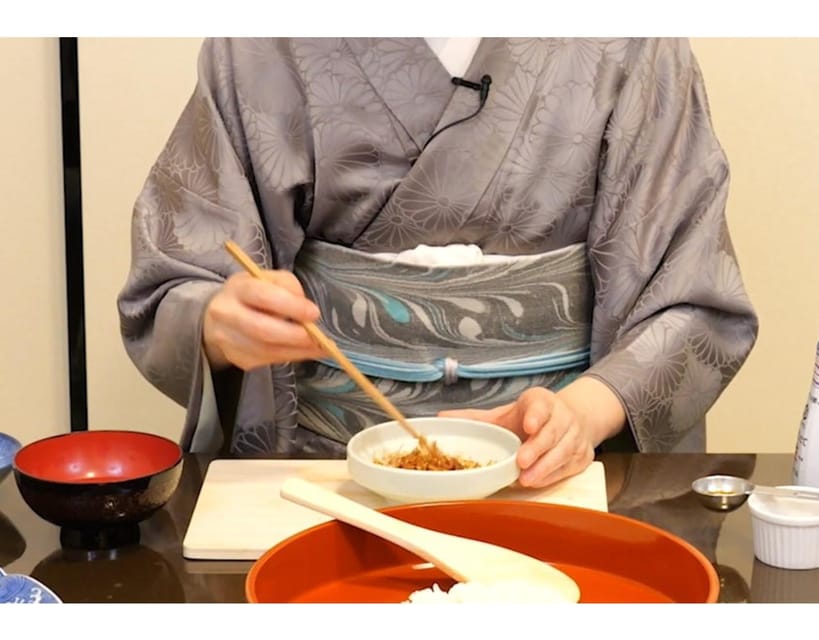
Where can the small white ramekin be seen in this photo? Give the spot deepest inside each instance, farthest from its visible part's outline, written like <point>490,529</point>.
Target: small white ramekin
<point>785,531</point>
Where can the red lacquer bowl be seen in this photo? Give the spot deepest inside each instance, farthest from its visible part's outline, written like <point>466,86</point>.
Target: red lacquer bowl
<point>613,558</point>
<point>98,485</point>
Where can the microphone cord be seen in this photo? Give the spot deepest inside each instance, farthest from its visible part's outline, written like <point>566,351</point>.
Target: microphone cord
<point>483,88</point>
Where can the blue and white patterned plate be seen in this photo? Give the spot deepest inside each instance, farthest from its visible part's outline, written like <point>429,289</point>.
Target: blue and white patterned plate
<point>9,447</point>
<point>20,589</point>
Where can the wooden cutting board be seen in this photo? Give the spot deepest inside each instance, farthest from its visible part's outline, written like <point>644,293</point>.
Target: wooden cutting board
<point>239,513</point>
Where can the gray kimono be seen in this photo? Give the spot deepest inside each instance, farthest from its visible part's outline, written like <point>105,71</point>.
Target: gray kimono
<point>605,145</point>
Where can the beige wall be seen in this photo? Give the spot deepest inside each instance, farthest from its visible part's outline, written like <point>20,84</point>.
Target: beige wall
<point>764,98</point>
<point>34,389</point>
<point>131,93</point>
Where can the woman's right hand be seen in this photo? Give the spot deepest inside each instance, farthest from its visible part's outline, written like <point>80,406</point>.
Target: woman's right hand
<point>252,322</point>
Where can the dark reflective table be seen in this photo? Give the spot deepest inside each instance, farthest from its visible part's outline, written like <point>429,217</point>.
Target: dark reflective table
<point>654,488</point>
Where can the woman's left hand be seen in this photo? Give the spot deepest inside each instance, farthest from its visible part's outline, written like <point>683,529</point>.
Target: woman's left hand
<point>558,440</point>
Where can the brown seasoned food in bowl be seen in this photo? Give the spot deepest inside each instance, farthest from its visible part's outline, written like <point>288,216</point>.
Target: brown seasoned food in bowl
<point>429,458</point>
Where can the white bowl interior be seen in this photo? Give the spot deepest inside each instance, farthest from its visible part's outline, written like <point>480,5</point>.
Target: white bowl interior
<point>478,441</point>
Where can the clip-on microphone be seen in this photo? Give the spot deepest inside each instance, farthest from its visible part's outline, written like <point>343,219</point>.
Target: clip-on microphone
<point>482,89</point>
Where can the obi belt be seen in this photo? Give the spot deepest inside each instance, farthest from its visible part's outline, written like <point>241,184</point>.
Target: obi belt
<point>432,338</point>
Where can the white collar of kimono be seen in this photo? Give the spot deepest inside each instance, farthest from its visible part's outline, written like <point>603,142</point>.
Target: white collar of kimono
<point>454,53</point>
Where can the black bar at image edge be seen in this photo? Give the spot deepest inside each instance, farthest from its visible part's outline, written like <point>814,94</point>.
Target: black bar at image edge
<point>72,194</point>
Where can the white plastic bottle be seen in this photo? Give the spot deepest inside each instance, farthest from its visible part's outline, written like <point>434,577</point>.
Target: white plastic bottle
<point>806,457</point>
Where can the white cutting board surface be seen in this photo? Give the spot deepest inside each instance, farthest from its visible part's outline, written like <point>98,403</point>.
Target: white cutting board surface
<point>239,513</point>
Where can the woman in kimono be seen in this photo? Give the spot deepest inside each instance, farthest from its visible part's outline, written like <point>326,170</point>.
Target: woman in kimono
<point>540,243</point>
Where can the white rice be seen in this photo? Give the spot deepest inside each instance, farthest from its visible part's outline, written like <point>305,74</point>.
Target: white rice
<point>507,591</point>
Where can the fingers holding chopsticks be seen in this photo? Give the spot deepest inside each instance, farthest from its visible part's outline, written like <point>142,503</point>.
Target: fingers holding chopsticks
<point>252,322</point>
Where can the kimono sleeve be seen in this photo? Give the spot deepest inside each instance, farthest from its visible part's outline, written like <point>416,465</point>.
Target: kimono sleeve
<point>198,194</point>
<point>672,322</point>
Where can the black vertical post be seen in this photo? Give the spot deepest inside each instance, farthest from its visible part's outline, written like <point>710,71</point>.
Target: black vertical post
<point>72,195</point>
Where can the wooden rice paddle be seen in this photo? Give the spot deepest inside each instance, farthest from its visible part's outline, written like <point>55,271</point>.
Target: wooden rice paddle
<point>464,559</point>
<point>332,349</point>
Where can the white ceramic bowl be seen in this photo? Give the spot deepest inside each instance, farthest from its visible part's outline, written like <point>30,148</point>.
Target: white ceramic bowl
<point>492,446</point>
<point>785,531</point>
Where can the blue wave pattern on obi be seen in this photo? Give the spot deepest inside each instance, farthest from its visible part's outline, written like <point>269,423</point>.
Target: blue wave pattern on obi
<point>477,314</point>
<point>434,336</point>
